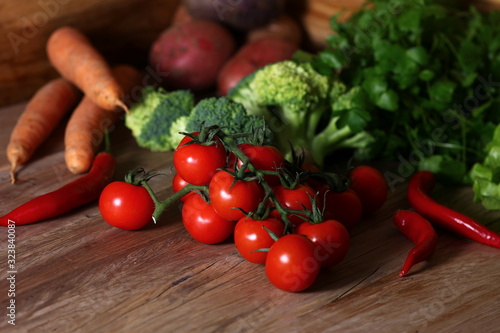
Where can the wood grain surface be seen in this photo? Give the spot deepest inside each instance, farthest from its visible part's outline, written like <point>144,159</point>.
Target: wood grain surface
<point>75,273</point>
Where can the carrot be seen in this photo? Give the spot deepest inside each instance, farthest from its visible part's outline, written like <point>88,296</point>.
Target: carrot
<point>87,125</point>
<point>76,59</point>
<point>42,114</point>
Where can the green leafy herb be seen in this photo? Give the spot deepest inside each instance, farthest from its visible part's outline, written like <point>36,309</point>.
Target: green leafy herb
<point>430,73</point>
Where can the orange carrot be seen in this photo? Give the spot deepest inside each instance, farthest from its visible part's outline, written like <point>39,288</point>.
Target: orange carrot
<point>87,125</point>
<point>76,59</point>
<point>42,114</point>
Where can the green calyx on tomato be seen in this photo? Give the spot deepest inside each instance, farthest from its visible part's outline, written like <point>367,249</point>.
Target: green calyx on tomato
<point>206,136</point>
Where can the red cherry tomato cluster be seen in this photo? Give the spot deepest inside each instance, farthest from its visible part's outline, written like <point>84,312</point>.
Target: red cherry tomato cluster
<point>284,215</point>
<point>263,213</point>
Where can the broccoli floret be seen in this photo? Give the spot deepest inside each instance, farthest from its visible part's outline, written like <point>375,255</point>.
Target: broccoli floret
<point>177,128</point>
<point>305,109</point>
<point>222,111</point>
<point>290,96</point>
<point>151,118</point>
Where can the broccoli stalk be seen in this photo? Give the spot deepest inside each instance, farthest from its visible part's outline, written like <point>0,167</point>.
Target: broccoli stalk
<point>345,129</point>
<point>333,138</point>
<point>305,109</point>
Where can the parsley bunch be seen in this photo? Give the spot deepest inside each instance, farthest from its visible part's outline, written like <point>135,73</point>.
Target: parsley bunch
<point>431,71</point>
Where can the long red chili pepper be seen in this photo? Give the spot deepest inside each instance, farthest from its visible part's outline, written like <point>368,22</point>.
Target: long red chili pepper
<point>417,229</point>
<point>420,185</point>
<point>75,194</point>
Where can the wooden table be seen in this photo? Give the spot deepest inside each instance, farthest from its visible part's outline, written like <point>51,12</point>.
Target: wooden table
<point>78,274</point>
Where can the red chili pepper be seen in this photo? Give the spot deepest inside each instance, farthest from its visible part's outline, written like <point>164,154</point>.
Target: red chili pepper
<point>420,185</point>
<point>75,194</point>
<point>420,232</point>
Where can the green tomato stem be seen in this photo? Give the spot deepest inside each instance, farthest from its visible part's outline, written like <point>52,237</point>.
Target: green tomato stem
<point>161,206</point>
<point>231,145</point>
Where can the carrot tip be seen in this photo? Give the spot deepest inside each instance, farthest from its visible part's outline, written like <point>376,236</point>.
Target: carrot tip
<point>123,106</point>
<point>13,173</point>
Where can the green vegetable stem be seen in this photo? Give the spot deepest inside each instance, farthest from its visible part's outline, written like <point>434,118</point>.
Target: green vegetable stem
<point>247,170</point>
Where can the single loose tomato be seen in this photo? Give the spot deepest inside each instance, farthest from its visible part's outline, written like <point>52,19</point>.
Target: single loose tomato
<point>228,194</point>
<point>345,207</point>
<point>196,163</point>
<point>203,223</point>
<point>371,187</point>
<point>266,158</point>
<point>178,184</point>
<point>126,206</point>
<point>291,264</point>
<point>298,198</point>
<point>331,238</point>
<point>251,235</point>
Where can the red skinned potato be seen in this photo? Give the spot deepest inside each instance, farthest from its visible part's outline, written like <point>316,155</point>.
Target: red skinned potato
<point>284,27</point>
<point>251,57</point>
<point>190,55</point>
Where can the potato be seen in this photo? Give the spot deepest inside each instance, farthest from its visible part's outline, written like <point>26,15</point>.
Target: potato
<point>190,55</point>
<point>251,57</point>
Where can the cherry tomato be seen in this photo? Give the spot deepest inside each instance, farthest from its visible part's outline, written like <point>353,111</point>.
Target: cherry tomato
<point>203,223</point>
<point>331,238</point>
<point>291,264</point>
<point>226,194</point>
<point>345,207</point>
<point>296,198</point>
<point>266,158</point>
<point>126,206</point>
<point>371,187</point>
<point>197,163</point>
<point>178,184</point>
<point>250,235</point>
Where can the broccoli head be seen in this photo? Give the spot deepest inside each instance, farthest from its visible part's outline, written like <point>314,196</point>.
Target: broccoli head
<point>222,111</point>
<point>159,117</point>
<point>305,109</point>
<point>151,118</point>
<point>291,96</point>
